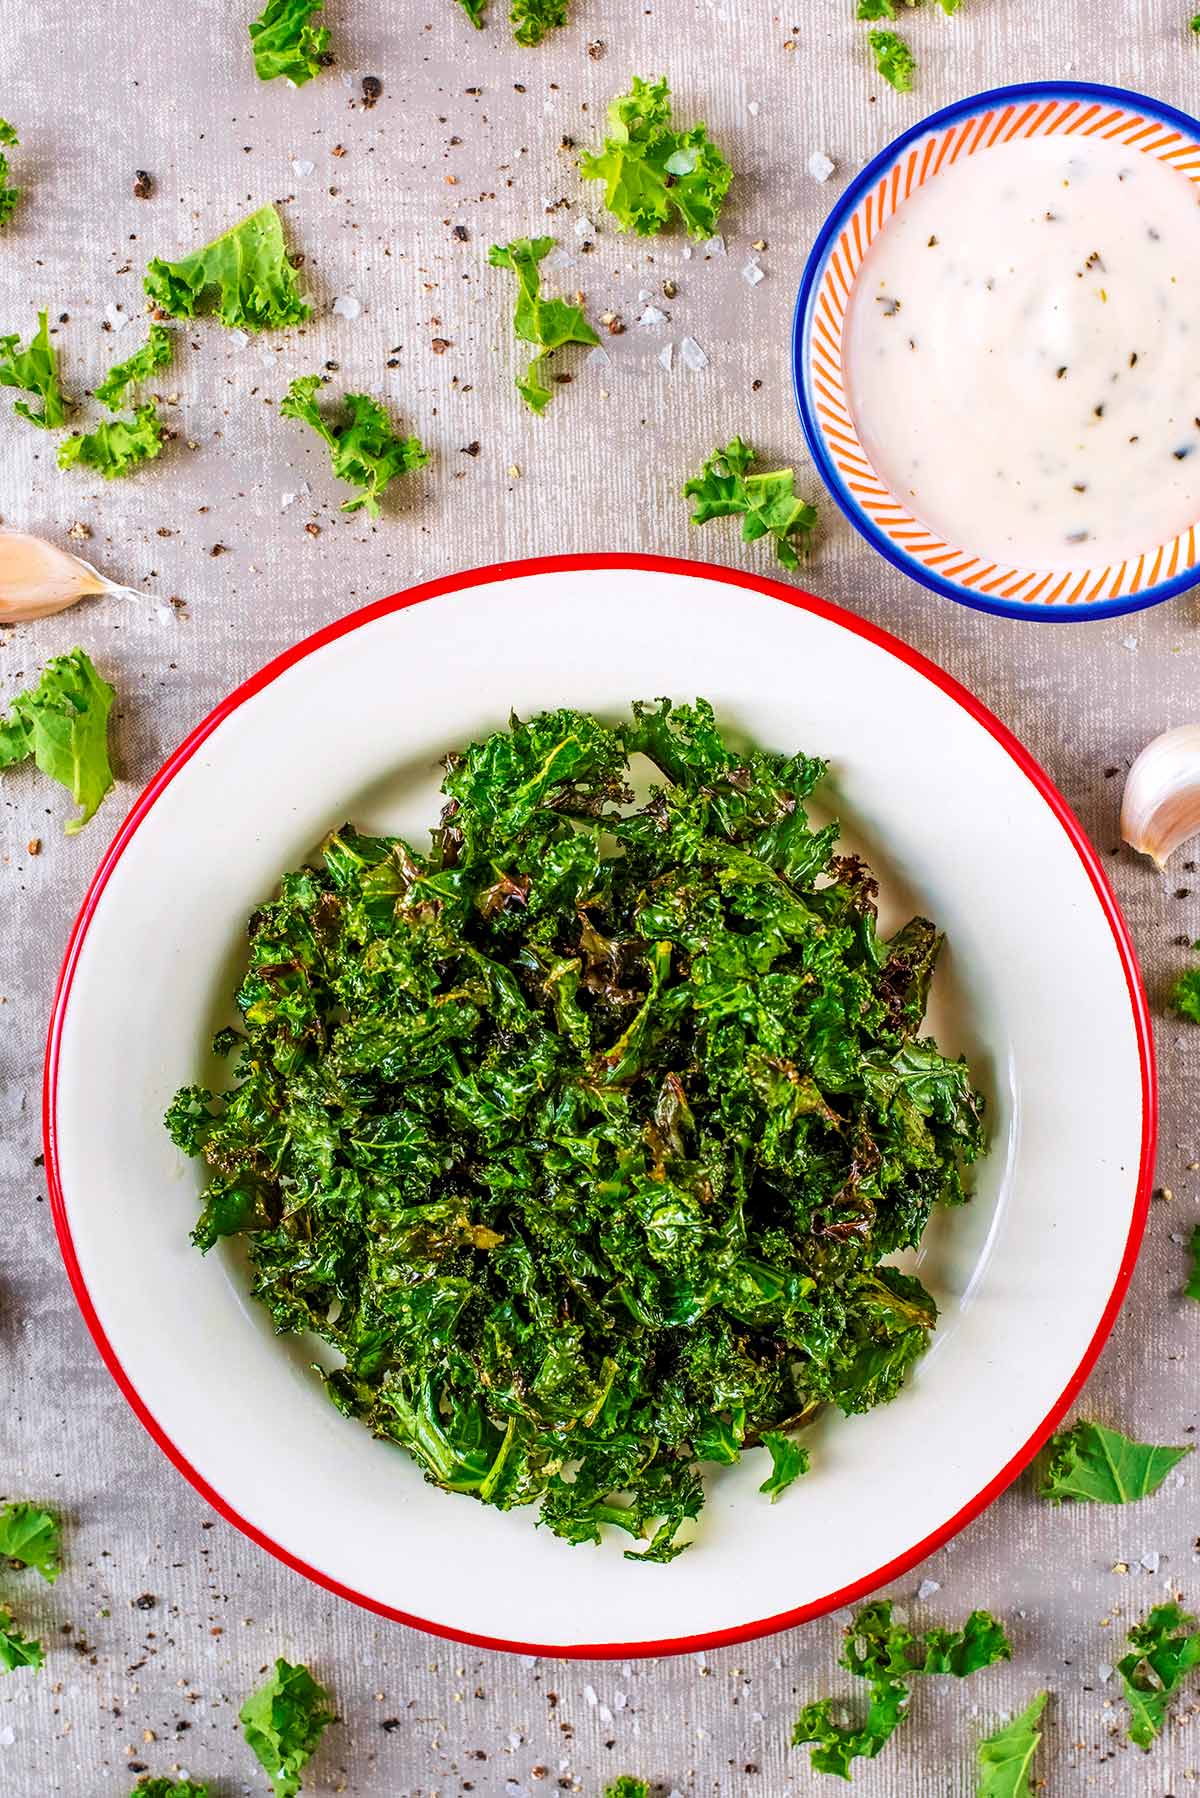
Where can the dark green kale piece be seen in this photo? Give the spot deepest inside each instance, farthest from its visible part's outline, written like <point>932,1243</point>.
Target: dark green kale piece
<point>887,1654</point>
<point>586,1132</point>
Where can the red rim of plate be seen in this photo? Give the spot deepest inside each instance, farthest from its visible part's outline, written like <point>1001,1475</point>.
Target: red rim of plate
<point>503,571</point>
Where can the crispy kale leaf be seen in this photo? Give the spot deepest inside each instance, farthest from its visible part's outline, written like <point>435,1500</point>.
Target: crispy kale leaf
<point>650,169</point>
<point>887,1655</point>
<point>152,1787</point>
<point>17,1650</point>
<point>627,1787</point>
<point>283,1722</point>
<point>1100,1466</point>
<point>155,353</point>
<point>893,59</point>
<point>532,19</point>
<point>285,42</point>
<point>243,275</point>
<point>63,724</point>
<point>548,324</point>
<point>1192,1288</point>
<point>766,503</point>
<point>1005,1758</point>
<point>1185,994</point>
<point>788,1462</point>
<point>475,11</point>
<point>34,370</point>
<point>1163,1650</point>
<point>8,195</point>
<point>363,448</point>
<point>585,1133</point>
<point>116,446</point>
<point>30,1536</point>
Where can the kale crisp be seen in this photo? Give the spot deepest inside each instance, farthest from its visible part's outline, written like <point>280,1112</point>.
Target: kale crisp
<point>585,1134</point>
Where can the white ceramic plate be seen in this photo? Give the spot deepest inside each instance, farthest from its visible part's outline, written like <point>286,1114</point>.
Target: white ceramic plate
<point>1040,987</point>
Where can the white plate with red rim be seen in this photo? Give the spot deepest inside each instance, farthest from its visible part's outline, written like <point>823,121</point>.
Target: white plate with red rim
<point>1040,988</point>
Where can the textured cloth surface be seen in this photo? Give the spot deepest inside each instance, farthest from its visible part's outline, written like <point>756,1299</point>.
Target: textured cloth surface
<point>165,1616</point>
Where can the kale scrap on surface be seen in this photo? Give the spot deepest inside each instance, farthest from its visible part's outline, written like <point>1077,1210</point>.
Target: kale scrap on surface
<point>585,1133</point>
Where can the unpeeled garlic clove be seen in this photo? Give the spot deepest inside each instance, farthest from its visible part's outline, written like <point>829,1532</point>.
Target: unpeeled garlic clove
<point>1161,804</point>
<point>37,579</point>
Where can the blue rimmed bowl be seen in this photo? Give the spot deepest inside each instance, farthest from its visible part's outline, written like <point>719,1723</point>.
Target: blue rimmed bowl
<point>970,127</point>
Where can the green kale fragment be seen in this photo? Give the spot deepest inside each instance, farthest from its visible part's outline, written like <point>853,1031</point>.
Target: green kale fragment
<point>1192,1288</point>
<point>285,42</point>
<point>244,276</point>
<point>788,1462</point>
<point>1185,994</point>
<point>547,324</point>
<point>283,1721</point>
<point>63,724</point>
<point>1005,1758</point>
<point>30,1536</point>
<point>585,1132</point>
<point>766,503</point>
<point>627,1787</point>
<point>154,354</point>
<point>363,447</point>
<point>158,1787</point>
<point>887,1655</point>
<point>532,19</point>
<point>1163,1649</point>
<point>17,1650</point>
<point>651,169</point>
<point>34,370</point>
<point>117,445</point>
<point>475,11</point>
<point>893,59</point>
<point>8,195</point>
<point>1100,1466</point>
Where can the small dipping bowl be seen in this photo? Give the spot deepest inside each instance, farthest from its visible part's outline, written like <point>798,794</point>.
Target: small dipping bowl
<point>971,127</point>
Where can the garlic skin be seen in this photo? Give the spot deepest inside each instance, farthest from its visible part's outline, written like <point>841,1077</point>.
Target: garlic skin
<point>37,579</point>
<point>1161,805</point>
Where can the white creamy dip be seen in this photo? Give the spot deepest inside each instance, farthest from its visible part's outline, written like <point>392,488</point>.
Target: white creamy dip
<point>1022,353</point>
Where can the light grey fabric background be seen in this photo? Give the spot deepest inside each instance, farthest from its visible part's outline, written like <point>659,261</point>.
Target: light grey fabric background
<point>468,133</point>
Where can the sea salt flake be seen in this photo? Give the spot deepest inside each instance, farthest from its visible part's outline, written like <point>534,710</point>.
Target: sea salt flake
<point>693,356</point>
<point>558,258</point>
<point>927,1588</point>
<point>1150,1562</point>
<point>752,274</point>
<point>302,167</point>
<point>165,615</point>
<point>115,318</point>
<point>7,1736</point>
<point>589,1695</point>
<point>1129,642</point>
<point>347,306</point>
<point>619,1701</point>
<point>1104,1672</point>
<point>644,294</point>
<point>754,108</point>
<point>241,338</point>
<point>820,166</point>
<point>584,227</point>
<point>667,356</point>
<point>653,315</point>
<point>604,1714</point>
<point>599,357</point>
<point>715,246</point>
<point>687,252</point>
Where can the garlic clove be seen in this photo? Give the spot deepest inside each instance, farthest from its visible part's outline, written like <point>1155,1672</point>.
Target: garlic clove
<point>1161,805</point>
<point>37,579</point>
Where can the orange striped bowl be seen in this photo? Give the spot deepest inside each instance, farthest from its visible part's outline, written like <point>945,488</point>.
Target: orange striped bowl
<point>970,128</point>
